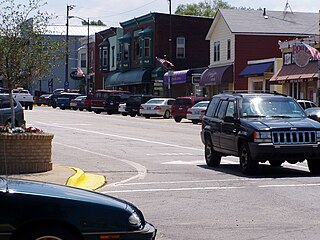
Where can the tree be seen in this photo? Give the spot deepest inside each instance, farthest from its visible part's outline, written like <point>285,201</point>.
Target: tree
<point>207,8</point>
<point>94,23</point>
<point>26,51</point>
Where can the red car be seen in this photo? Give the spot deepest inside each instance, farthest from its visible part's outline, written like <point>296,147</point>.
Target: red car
<point>181,104</point>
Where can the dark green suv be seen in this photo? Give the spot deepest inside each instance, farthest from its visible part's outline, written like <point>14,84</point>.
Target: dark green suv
<point>259,127</point>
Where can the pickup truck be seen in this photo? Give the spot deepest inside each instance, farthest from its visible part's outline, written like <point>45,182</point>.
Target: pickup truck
<point>23,97</point>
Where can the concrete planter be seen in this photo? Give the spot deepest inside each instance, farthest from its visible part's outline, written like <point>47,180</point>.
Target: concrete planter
<point>25,153</point>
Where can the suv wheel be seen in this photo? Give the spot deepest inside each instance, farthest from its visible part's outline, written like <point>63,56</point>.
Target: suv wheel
<point>213,158</point>
<point>132,114</point>
<point>248,166</point>
<point>178,119</point>
<point>314,166</point>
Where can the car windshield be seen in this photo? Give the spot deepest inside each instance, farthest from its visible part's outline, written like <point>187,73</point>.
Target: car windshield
<point>270,107</point>
<point>183,101</point>
<point>155,101</point>
<point>202,104</point>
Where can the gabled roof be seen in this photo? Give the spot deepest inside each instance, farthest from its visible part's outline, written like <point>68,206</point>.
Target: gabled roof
<point>276,22</point>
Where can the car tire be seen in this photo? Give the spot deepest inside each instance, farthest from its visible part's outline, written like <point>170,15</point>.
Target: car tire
<point>49,232</point>
<point>275,163</point>
<point>132,114</point>
<point>213,158</point>
<point>39,104</point>
<point>97,111</point>
<point>195,121</point>
<point>247,164</point>
<point>30,106</point>
<point>166,114</point>
<point>177,119</point>
<point>109,112</point>
<point>314,166</point>
<point>81,109</point>
<point>124,114</point>
<point>147,117</point>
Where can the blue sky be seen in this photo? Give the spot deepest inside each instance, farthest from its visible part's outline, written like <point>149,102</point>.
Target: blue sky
<point>111,12</point>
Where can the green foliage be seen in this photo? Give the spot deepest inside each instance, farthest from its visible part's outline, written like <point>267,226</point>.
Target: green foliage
<point>26,51</point>
<point>207,8</point>
<point>94,23</point>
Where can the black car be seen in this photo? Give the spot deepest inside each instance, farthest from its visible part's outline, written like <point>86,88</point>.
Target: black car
<point>134,102</point>
<point>36,210</point>
<point>64,99</point>
<point>112,102</point>
<point>258,128</point>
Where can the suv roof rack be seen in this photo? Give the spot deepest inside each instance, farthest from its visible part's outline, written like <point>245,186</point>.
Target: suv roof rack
<point>252,91</point>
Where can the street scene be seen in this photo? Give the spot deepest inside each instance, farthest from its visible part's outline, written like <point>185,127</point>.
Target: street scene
<point>159,120</point>
<point>159,165</point>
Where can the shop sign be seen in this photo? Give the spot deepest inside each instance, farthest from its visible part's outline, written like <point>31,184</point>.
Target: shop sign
<point>300,55</point>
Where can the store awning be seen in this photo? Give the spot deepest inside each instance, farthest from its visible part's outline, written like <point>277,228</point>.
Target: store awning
<point>217,75</point>
<point>294,73</point>
<point>178,77</point>
<point>125,38</point>
<point>137,76</point>
<point>256,69</point>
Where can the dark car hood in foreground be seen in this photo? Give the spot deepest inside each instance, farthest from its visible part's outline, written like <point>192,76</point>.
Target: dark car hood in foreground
<point>282,123</point>
<point>59,191</point>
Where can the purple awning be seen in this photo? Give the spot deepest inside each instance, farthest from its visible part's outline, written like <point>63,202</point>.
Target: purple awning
<point>217,75</point>
<point>178,77</point>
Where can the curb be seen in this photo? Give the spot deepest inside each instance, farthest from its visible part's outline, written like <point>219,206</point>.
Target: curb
<point>86,181</point>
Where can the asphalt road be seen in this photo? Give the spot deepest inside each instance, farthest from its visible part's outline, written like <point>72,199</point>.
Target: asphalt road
<point>159,166</point>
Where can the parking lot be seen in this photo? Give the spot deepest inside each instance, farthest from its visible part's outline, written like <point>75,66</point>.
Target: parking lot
<point>159,165</point>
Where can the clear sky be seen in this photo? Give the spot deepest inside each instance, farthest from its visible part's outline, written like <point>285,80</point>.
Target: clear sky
<point>111,12</point>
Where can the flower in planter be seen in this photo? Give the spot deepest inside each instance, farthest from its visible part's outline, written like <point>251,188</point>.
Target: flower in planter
<point>23,129</point>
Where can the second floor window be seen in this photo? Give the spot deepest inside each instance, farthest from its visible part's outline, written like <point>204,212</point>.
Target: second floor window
<point>112,55</point>
<point>181,47</point>
<point>147,47</point>
<point>126,52</point>
<point>216,51</point>
<point>228,49</point>
<point>137,49</point>
<point>83,60</point>
<point>104,56</point>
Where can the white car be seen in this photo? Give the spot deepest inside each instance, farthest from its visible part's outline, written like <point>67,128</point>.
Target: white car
<point>122,109</point>
<point>157,107</point>
<point>196,112</point>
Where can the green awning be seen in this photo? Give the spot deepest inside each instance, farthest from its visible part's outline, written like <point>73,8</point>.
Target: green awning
<point>157,73</point>
<point>137,76</point>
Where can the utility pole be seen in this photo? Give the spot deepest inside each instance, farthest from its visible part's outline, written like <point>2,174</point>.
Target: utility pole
<point>170,50</point>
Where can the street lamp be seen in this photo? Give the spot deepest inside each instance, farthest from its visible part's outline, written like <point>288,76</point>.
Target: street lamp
<point>66,82</point>
<point>88,39</point>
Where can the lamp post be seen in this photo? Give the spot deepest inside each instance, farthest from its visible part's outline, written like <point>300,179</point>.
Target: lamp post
<point>88,40</point>
<point>66,82</point>
<point>170,73</point>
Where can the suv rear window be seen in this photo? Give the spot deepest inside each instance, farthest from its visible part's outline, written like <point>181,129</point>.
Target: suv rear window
<point>183,101</point>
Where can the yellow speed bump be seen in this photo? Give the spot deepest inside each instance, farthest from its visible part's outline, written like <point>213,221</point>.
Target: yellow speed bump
<point>86,181</point>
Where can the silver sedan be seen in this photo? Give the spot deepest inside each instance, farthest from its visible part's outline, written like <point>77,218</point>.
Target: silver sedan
<point>196,112</point>
<point>157,107</point>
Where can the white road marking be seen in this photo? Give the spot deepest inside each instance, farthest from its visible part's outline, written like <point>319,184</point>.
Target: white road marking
<point>180,162</point>
<point>142,170</point>
<point>211,188</point>
<point>122,137</point>
<point>172,154</point>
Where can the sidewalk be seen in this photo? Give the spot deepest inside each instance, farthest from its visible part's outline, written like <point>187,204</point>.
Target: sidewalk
<point>64,175</point>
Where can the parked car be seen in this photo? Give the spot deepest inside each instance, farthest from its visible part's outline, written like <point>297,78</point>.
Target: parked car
<point>78,103</point>
<point>24,97</point>
<point>5,111</point>
<point>182,104</point>
<point>258,128</point>
<point>53,98</point>
<point>64,99</point>
<point>157,107</point>
<point>43,99</point>
<point>112,102</point>
<point>38,210</point>
<point>313,113</point>
<point>196,112</point>
<point>99,102</point>
<point>305,104</point>
<point>87,102</point>
<point>122,109</point>
<point>134,102</point>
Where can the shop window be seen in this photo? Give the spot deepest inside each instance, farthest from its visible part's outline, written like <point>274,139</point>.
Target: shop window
<point>104,56</point>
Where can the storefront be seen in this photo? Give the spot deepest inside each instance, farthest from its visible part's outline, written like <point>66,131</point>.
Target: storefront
<point>217,79</point>
<point>299,74</point>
